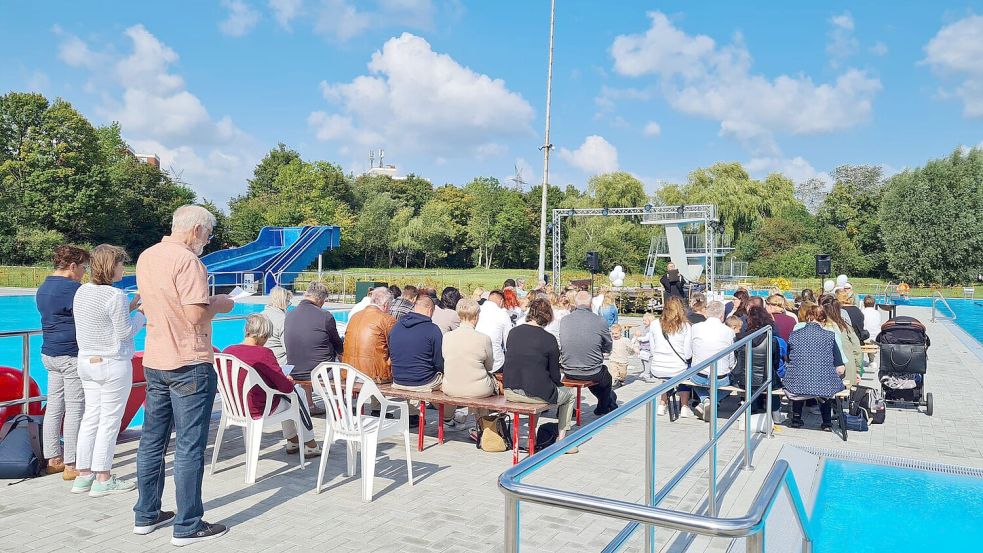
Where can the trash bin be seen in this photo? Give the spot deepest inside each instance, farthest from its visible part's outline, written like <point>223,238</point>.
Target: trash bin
<point>362,288</point>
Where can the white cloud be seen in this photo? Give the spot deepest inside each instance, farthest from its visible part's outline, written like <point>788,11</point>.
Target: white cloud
<point>797,168</point>
<point>76,53</point>
<point>284,11</point>
<point>342,19</point>
<point>652,129</point>
<point>700,78</point>
<point>38,81</point>
<point>879,49</point>
<point>241,19</point>
<point>594,156</point>
<point>957,51</point>
<point>841,44</point>
<point>159,115</point>
<point>417,100</point>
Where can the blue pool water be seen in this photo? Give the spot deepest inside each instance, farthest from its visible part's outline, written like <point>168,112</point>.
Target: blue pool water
<point>20,313</point>
<point>865,508</point>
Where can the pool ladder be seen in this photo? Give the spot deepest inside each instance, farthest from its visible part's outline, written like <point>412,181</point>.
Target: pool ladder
<point>936,298</point>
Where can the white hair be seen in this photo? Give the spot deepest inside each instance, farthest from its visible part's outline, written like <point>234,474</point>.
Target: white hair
<point>715,309</point>
<point>381,296</point>
<point>187,217</point>
<point>258,326</point>
<point>582,299</point>
<point>280,298</point>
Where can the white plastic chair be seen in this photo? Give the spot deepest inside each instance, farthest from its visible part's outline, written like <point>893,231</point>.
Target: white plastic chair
<point>235,410</point>
<point>345,421</point>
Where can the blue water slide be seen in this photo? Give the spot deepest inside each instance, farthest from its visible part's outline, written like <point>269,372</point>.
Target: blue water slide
<point>275,250</point>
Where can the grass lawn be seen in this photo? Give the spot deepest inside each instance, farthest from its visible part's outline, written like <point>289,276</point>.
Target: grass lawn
<point>468,279</point>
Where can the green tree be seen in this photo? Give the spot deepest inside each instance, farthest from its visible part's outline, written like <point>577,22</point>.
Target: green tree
<point>265,173</point>
<point>370,234</point>
<point>851,206</point>
<point>932,220</point>
<point>485,206</point>
<point>618,189</point>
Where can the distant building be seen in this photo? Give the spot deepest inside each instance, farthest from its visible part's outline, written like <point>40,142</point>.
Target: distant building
<point>381,170</point>
<point>149,159</point>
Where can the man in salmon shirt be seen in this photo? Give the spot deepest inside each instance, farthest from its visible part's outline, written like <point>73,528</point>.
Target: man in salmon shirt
<point>181,382</point>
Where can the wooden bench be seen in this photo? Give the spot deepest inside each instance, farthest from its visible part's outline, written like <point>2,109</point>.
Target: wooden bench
<point>842,399</point>
<point>579,385</point>
<point>493,403</point>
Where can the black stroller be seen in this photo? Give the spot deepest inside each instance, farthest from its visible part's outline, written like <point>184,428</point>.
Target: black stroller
<point>904,362</point>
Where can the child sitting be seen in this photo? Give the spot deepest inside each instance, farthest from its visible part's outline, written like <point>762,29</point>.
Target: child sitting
<point>735,323</point>
<point>641,345</point>
<point>621,353</point>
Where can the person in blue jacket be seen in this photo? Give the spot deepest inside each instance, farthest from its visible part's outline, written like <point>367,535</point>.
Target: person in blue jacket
<point>415,349</point>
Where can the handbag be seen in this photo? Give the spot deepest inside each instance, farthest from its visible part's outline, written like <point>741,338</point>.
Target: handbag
<point>494,433</point>
<point>21,455</point>
<point>672,405</point>
<point>904,358</point>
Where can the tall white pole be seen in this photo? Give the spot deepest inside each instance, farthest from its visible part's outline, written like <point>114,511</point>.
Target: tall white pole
<point>546,152</point>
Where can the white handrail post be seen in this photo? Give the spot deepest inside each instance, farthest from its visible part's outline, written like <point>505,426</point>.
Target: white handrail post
<point>749,389</point>
<point>712,408</point>
<point>511,524</point>
<point>650,471</point>
<point>26,373</point>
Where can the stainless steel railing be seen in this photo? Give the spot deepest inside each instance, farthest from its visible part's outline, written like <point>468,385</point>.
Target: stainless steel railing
<point>936,298</point>
<point>26,399</point>
<point>650,515</point>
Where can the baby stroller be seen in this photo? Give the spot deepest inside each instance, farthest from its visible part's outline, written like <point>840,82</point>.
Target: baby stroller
<point>904,361</point>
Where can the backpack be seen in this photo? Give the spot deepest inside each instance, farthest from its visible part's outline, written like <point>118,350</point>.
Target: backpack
<point>494,433</point>
<point>865,401</point>
<point>546,435</point>
<point>782,356</point>
<point>21,455</point>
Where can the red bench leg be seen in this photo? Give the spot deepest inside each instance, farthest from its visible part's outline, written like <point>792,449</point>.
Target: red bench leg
<point>532,434</point>
<point>440,423</point>
<point>515,438</point>
<point>579,388</point>
<point>423,425</point>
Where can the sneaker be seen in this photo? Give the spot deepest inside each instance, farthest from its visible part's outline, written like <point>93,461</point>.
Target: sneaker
<point>796,422</point>
<point>163,518</point>
<point>83,484</point>
<point>112,486</point>
<point>310,452</point>
<point>69,474</point>
<point>205,533</point>
<point>827,427</point>
<point>700,409</point>
<point>461,415</point>
<point>454,426</point>
<point>661,410</point>
<point>686,413</point>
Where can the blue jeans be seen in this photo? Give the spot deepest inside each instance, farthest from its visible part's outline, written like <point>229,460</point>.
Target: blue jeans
<point>181,399</point>
<point>702,385</point>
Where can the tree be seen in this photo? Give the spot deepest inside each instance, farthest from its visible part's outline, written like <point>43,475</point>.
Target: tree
<point>851,206</point>
<point>265,173</point>
<point>811,193</point>
<point>618,189</point>
<point>484,192</point>
<point>932,220</point>
<point>370,234</point>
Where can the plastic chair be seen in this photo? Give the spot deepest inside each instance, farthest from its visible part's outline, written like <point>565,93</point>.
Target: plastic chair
<point>235,411</point>
<point>345,421</point>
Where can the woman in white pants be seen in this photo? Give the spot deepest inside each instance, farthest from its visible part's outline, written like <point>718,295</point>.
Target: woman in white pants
<point>104,329</point>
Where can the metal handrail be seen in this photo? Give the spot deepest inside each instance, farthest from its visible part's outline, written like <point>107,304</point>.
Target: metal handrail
<point>651,515</point>
<point>27,399</point>
<point>936,296</point>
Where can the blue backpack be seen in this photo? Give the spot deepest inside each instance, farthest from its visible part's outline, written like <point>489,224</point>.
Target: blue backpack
<point>782,356</point>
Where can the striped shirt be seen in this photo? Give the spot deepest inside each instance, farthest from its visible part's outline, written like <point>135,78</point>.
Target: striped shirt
<point>103,324</point>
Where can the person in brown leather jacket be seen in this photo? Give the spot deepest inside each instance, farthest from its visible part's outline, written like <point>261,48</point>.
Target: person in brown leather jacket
<point>367,338</point>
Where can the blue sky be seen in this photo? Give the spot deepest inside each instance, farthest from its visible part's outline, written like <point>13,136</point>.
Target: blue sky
<point>455,89</point>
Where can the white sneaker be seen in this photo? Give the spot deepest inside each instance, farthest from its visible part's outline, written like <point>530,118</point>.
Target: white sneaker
<point>700,409</point>
<point>461,415</point>
<point>661,410</point>
<point>685,412</point>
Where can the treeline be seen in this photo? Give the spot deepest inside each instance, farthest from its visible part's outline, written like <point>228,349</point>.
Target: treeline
<point>65,180</point>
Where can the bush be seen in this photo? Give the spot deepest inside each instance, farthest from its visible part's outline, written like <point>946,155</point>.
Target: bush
<point>31,246</point>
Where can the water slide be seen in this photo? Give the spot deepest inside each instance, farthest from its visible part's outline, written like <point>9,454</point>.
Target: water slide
<point>278,252</point>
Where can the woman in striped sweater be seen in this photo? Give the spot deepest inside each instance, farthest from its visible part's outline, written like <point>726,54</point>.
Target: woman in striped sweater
<point>104,329</point>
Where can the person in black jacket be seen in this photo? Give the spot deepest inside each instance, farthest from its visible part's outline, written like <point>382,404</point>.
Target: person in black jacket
<point>532,366</point>
<point>758,318</point>
<point>673,282</point>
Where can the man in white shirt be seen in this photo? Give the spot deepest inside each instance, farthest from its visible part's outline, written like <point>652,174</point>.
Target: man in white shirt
<point>494,322</point>
<point>710,337</point>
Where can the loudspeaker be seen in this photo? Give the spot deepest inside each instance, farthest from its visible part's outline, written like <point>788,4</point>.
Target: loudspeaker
<point>824,264</point>
<point>593,262</point>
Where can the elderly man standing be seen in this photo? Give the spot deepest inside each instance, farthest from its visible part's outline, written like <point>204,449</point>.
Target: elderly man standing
<point>584,339</point>
<point>310,333</point>
<point>367,338</point>
<point>181,382</point>
<point>494,322</point>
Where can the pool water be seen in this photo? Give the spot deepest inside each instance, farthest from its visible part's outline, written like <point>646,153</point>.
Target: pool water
<point>21,313</point>
<point>864,508</point>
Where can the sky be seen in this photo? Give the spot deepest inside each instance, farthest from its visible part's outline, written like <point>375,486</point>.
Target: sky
<point>454,89</point>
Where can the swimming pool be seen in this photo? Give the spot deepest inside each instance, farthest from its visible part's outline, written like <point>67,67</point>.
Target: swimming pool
<point>21,313</point>
<point>862,507</point>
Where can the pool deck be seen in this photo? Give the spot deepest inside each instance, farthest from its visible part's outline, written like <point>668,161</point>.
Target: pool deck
<point>455,504</point>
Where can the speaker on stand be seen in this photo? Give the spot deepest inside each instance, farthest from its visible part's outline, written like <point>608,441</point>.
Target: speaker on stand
<point>824,267</point>
<point>593,262</point>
